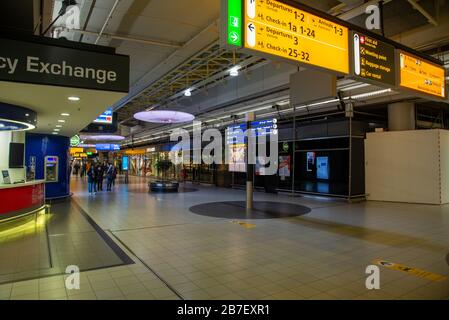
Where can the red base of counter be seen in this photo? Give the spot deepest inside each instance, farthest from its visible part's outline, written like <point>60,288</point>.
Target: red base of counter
<point>20,199</point>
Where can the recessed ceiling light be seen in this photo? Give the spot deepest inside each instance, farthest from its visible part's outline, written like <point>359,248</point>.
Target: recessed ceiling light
<point>188,93</point>
<point>27,114</point>
<point>61,121</point>
<point>64,114</point>
<point>56,130</point>
<point>234,72</point>
<point>58,126</point>
<point>55,133</point>
<point>74,98</point>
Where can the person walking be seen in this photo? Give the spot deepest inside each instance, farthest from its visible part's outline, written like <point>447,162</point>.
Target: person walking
<point>114,175</point>
<point>91,180</point>
<point>109,177</point>
<point>76,168</point>
<point>83,170</point>
<point>100,177</point>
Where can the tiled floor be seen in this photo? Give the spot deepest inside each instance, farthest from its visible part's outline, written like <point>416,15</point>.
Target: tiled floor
<point>54,241</point>
<point>321,255</point>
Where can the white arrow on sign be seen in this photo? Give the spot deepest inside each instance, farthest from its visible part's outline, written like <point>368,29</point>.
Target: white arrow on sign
<point>251,8</point>
<point>234,37</point>
<point>251,34</point>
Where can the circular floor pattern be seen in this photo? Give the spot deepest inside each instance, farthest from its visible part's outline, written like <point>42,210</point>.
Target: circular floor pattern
<point>262,210</point>
<point>145,190</point>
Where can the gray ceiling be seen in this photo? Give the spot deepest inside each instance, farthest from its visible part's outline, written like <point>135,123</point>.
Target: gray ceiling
<point>191,24</point>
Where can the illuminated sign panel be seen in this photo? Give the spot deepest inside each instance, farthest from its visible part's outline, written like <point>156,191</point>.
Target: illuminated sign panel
<point>76,150</point>
<point>235,22</point>
<point>105,118</point>
<point>125,163</point>
<point>107,147</point>
<point>374,60</point>
<point>284,31</point>
<point>422,76</point>
<point>236,134</point>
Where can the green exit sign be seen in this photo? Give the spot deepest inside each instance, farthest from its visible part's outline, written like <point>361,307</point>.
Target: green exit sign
<point>235,22</point>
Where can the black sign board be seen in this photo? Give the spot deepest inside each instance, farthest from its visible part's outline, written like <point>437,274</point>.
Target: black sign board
<point>38,63</point>
<point>373,60</point>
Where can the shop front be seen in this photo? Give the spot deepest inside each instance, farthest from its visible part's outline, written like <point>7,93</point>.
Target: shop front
<point>21,192</point>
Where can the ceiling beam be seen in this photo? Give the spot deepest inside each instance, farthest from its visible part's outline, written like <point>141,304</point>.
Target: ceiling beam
<point>423,11</point>
<point>131,39</point>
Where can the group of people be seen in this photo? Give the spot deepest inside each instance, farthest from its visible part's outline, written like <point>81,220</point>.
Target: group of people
<point>96,173</point>
<point>78,168</point>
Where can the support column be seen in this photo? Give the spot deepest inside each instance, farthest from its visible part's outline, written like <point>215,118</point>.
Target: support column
<point>249,164</point>
<point>401,116</point>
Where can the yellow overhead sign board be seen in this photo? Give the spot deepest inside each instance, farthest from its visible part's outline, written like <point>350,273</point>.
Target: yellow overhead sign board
<point>422,76</point>
<point>76,150</point>
<point>135,152</point>
<point>284,31</point>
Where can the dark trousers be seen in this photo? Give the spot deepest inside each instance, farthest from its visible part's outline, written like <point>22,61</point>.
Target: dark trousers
<point>100,184</point>
<point>109,184</point>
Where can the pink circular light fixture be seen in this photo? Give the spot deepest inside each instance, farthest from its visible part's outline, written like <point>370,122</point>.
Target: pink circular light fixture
<point>164,116</point>
<point>103,137</point>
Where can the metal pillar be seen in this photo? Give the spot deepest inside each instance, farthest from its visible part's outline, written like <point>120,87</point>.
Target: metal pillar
<point>294,151</point>
<point>249,167</point>
<point>350,115</point>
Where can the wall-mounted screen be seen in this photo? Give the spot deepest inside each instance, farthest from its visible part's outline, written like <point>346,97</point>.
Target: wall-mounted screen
<point>322,168</point>
<point>16,155</point>
<point>125,163</point>
<point>235,133</point>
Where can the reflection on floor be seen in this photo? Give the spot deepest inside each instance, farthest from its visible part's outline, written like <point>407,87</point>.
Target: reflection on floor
<point>321,255</point>
<point>46,246</point>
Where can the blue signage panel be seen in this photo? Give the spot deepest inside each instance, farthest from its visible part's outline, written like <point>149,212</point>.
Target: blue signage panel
<point>107,147</point>
<point>261,128</point>
<point>322,168</point>
<point>125,163</point>
<point>106,117</point>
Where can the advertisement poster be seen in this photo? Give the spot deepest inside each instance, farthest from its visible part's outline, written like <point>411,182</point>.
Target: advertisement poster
<point>237,155</point>
<point>260,168</point>
<point>310,161</point>
<point>284,166</point>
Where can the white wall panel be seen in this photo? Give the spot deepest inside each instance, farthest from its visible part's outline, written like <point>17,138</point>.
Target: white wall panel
<point>403,166</point>
<point>444,165</point>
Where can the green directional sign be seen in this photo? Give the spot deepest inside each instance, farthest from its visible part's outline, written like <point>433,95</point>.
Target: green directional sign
<point>75,141</point>
<point>235,22</point>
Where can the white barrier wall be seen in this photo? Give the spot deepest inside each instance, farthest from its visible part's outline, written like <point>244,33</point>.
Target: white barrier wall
<point>6,138</point>
<point>444,165</point>
<point>408,166</point>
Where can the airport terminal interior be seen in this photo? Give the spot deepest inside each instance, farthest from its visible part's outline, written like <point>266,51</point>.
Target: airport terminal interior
<point>224,150</point>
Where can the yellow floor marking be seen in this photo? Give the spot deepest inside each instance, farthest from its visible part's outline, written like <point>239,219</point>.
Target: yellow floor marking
<point>412,271</point>
<point>244,224</point>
